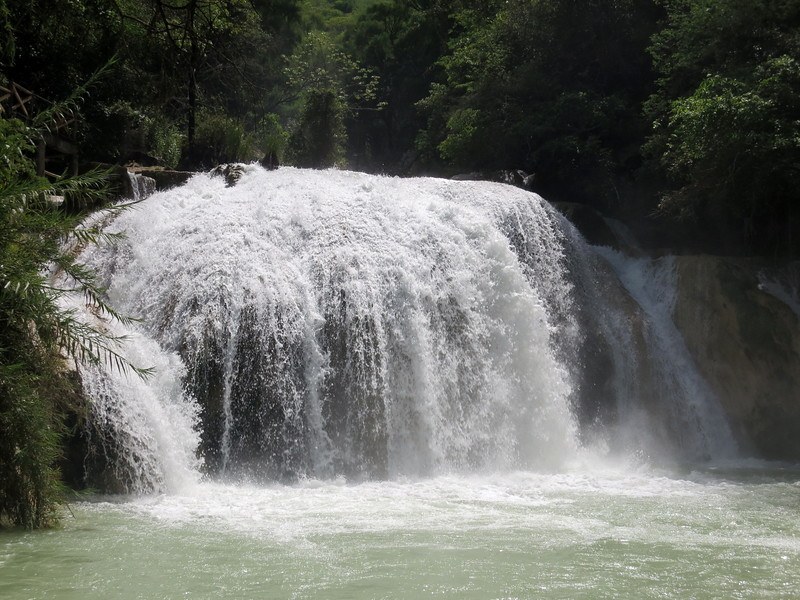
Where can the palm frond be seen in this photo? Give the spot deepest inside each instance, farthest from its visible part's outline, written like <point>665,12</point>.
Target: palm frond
<point>90,345</point>
<point>95,235</point>
<point>94,295</point>
<point>67,108</point>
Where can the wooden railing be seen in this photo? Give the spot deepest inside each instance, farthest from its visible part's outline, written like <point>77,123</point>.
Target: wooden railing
<point>15,101</point>
<point>19,97</point>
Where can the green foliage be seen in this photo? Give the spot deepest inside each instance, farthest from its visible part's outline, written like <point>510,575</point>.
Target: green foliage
<point>15,142</point>
<point>121,132</point>
<point>220,139</point>
<point>402,41</point>
<point>332,16</point>
<point>271,137</point>
<point>330,85</point>
<point>551,87</point>
<point>727,118</point>
<point>319,64</point>
<point>210,51</point>
<point>464,140</point>
<point>176,60</point>
<point>58,44</point>
<point>164,140</point>
<point>7,48</point>
<point>318,139</point>
<point>37,333</point>
<point>30,448</point>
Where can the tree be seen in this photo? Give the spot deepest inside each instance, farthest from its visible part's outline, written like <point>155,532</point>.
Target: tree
<point>54,46</point>
<point>727,119</point>
<point>203,46</point>
<point>36,331</point>
<point>552,87</point>
<point>330,84</point>
<point>402,41</point>
<point>319,136</point>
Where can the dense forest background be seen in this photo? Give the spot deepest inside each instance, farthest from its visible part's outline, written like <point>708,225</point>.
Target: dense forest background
<point>680,117</point>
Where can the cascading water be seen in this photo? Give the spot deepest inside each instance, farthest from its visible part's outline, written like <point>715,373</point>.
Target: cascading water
<point>670,384</point>
<point>142,432</point>
<point>336,323</point>
<point>139,186</point>
<point>332,323</point>
<point>783,286</point>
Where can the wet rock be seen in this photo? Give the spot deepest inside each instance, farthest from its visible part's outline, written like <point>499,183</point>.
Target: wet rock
<point>137,186</point>
<point>528,181</point>
<point>164,178</point>
<point>590,223</point>
<point>270,161</point>
<point>746,343</point>
<point>471,176</point>
<point>231,173</point>
<point>515,177</point>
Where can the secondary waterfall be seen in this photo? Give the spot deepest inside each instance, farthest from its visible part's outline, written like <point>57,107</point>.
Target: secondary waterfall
<point>330,323</point>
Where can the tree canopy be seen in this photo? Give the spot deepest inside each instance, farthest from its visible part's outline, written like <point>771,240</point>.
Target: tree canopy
<point>665,109</point>
<point>726,114</point>
<point>682,111</point>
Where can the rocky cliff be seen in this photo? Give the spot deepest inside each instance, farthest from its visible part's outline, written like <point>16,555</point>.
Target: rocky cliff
<point>740,326</point>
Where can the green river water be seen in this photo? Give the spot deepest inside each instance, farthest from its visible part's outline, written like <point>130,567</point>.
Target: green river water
<point>590,533</point>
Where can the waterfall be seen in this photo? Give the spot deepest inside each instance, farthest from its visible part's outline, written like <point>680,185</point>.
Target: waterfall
<point>784,286</point>
<point>142,432</point>
<point>672,386</point>
<point>330,323</point>
<point>138,186</point>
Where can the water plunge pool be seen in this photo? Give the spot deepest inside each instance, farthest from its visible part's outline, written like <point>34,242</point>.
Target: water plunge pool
<point>586,533</point>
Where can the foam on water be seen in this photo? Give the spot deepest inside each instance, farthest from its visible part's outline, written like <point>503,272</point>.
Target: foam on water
<point>574,534</point>
<point>297,515</point>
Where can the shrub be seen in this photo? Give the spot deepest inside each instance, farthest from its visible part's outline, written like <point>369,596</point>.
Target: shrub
<point>220,139</point>
<point>319,138</point>
<point>271,137</point>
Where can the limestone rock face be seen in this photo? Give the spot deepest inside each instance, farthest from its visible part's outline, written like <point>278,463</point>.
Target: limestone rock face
<point>746,342</point>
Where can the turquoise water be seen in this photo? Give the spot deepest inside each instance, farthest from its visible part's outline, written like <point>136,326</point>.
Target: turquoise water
<point>598,533</point>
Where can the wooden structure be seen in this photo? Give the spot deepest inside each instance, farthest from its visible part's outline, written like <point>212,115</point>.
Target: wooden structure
<point>15,101</point>
<point>19,98</point>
